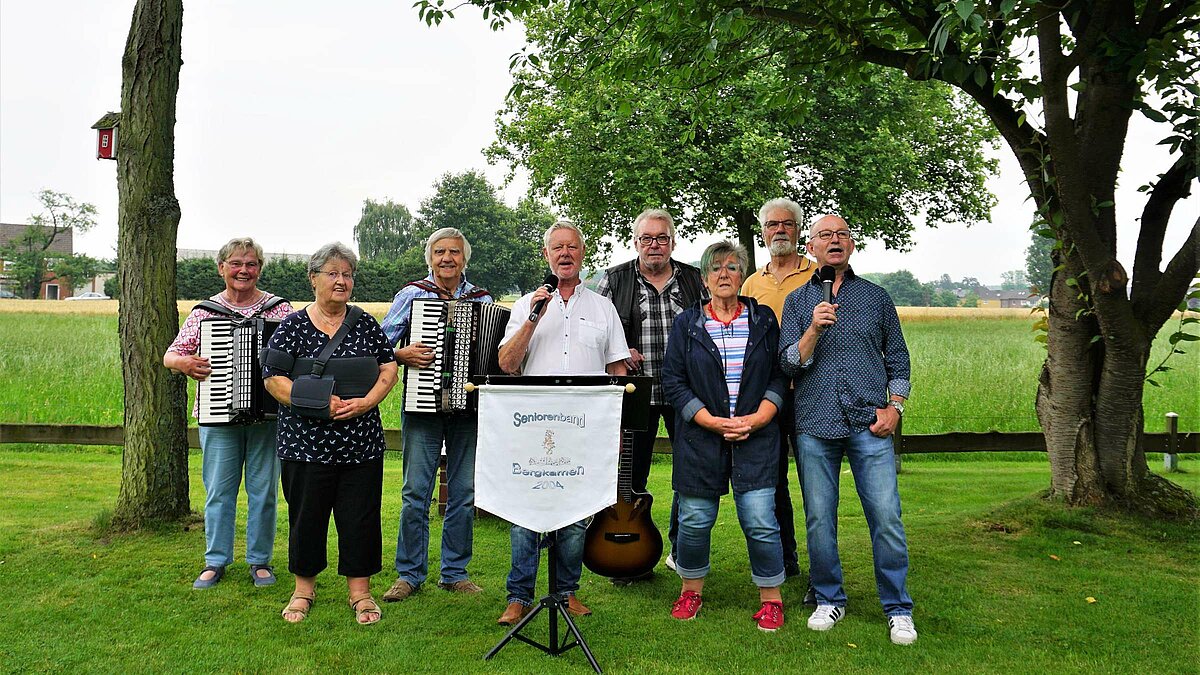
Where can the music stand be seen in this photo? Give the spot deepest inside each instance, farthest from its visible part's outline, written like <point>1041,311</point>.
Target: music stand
<point>634,414</point>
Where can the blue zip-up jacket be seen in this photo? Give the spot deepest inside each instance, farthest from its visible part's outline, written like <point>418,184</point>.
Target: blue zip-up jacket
<point>693,377</point>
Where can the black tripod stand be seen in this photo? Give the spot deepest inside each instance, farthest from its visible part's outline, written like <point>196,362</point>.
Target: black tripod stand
<point>557,607</point>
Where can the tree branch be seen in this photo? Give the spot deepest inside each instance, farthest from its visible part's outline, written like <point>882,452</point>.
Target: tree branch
<point>1174,282</point>
<point>1171,187</point>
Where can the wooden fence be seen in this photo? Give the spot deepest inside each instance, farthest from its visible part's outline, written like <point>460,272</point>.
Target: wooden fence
<point>1170,442</point>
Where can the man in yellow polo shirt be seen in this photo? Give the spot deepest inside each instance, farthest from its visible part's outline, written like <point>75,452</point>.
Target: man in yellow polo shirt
<point>788,270</point>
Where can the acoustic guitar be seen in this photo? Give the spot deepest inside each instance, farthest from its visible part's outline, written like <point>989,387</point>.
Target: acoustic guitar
<point>622,541</point>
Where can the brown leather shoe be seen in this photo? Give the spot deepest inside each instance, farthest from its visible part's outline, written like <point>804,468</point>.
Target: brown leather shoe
<point>513,613</point>
<point>577,608</point>
<point>399,591</point>
<point>464,586</point>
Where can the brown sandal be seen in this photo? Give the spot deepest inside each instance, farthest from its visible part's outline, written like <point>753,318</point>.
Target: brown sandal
<point>363,604</point>
<point>291,608</point>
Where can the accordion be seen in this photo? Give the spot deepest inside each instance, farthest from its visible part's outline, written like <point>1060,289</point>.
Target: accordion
<point>465,338</point>
<point>234,392</point>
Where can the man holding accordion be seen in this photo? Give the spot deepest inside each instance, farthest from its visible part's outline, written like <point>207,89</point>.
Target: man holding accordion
<point>447,253</point>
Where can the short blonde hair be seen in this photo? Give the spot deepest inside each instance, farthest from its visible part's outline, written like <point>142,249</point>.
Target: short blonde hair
<point>561,224</point>
<point>240,244</point>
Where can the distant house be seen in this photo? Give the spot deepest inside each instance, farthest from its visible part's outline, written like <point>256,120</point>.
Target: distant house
<point>1017,299</point>
<point>63,244</point>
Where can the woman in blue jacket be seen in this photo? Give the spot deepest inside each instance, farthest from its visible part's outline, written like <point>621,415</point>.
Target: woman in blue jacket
<point>721,375</point>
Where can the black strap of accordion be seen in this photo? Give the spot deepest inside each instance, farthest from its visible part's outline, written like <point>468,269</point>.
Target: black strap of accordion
<point>217,308</point>
<point>352,314</point>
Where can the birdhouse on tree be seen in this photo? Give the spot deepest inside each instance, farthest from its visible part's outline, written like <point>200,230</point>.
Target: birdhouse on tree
<point>106,135</point>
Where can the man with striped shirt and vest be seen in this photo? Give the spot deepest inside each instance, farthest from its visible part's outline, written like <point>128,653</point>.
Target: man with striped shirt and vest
<point>447,253</point>
<point>649,292</point>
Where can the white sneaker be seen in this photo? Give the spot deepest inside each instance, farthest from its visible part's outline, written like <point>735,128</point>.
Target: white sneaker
<point>825,616</point>
<point>670,562</point>
<point>902,629</point>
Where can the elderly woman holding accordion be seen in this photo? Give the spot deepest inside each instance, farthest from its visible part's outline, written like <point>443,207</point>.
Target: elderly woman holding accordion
<point>722,377</point>
<point>330,366</point>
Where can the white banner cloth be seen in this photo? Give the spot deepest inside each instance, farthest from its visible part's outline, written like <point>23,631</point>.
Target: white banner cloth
<point>547,456</point>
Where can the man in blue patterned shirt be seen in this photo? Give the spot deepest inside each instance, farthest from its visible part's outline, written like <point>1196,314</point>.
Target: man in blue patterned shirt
<point>850,367</point>
<point>447,253</point>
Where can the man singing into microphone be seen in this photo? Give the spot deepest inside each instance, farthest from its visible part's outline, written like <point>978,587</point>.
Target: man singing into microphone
<point>567,331</point>
<point>850,367</point>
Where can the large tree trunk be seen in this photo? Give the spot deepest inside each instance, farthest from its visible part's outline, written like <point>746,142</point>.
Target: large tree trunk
<point>1089,404</point>
<point>154,479</point>
<point>747,230</point>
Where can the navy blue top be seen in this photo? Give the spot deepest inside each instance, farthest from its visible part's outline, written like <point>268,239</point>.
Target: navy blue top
<point>305,439</point>
<point>856,362</point>
<point>693,378</point>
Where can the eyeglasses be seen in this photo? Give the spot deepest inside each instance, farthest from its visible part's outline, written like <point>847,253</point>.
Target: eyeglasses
<point>826,235</point>
<point>334,276</point>
<point>662,239</point>
<point>732,268</point>
<point>238,264</point>
<point>773,224</point>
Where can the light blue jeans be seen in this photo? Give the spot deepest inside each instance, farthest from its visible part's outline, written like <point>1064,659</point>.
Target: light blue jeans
<point>756,513</point>
<point>226,452</point>
<point>526,553</point>
<point>874,467</point>
<point>423,436</point>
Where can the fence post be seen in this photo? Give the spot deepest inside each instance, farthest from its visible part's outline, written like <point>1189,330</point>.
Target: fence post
<point>1170,457</point>
<point>898,443</point>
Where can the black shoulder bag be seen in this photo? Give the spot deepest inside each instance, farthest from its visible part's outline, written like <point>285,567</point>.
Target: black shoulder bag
<point>311,392</point>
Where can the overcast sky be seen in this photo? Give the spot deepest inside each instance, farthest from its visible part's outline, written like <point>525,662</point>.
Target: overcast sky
<point>291,113</point>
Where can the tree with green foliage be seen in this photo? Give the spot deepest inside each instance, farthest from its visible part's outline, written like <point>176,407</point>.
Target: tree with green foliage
<point>287,279</point>
<point>385,230</point>
<point>1014,280</point>
<point>505,250</point>
<point>1059,82</point>
<point>904,288</point>
<point>154,471</point>
<point>29,260</point>
<point>1039,262</point>
<point>943,298</point>
<point>605,150</point>
<point>197,279</point>
<point>971,299</point>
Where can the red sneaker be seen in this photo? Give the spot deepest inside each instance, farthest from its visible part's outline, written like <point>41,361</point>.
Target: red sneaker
<point>770,617</point>
<point>687,606</point>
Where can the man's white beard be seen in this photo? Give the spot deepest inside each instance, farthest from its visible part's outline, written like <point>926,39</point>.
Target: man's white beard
<point>782,248</point>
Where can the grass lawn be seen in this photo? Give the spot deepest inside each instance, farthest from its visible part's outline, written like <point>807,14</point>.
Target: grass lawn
<point>1001,583</point>
<point>973,370</point>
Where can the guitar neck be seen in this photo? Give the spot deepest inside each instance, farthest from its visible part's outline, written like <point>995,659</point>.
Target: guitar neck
<point>625,468</point>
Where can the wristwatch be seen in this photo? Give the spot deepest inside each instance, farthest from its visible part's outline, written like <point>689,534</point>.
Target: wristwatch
<point>898,405</point>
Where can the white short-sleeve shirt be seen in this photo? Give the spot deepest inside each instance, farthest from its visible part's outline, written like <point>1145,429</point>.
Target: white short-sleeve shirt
<point>580,337</point>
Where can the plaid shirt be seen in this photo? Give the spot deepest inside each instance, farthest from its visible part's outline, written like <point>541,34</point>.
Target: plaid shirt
<point>658,311</point>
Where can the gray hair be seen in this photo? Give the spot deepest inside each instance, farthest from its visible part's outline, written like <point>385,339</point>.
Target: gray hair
<point>240,244</point>
<point>447,233</point>
<point>561,224</point>
<point>654,214</point>
<point>812,227</point>
<point>722,250</point>
<point>780,203</point>
<point>333,251</point>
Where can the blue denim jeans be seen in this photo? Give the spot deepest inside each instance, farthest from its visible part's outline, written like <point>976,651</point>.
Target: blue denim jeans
<point>756,513</point>
<point>423,436</point>
<point>225,452</point>
<point>526,551</point>
<point>874,467</point>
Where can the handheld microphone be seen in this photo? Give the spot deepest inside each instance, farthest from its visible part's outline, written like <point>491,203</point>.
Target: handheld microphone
<point>549,283</point>
<point>827,274</point>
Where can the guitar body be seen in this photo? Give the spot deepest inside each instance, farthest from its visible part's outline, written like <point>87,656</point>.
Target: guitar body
<point>622,542</point>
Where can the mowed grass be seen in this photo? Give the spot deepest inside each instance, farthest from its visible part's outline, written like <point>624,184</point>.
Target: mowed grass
<point>973,369</point>
<point>1001,583</point>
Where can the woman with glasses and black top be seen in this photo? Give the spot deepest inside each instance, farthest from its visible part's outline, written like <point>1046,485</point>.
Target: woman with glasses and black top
<point>330,436</point>
<point>722,376</point>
